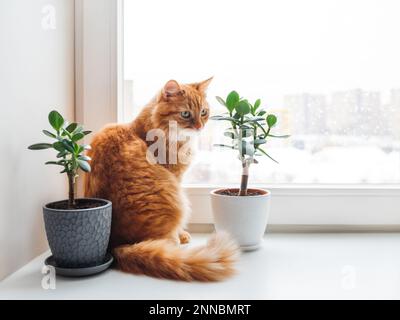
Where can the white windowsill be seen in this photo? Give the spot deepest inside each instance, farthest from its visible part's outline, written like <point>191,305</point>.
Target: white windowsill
<point>347,205</point>
<point>289,266</point>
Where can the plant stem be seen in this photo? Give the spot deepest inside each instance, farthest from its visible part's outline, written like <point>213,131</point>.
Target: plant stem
<point>245,164</point>
<point>71,194</point>
<point>245,179</point>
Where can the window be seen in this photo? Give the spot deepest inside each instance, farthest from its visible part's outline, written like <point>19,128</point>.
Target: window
<point>329,69</point>
<point>332,78</point>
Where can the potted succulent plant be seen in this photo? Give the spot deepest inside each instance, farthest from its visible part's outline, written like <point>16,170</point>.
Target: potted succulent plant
<point>77,230</point>
<point>243,212</point>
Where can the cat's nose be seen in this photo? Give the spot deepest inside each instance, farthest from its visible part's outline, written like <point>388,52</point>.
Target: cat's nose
<point>198,126</point>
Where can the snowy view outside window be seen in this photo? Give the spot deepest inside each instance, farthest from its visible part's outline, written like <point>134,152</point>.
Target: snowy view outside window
<point>330,70</point>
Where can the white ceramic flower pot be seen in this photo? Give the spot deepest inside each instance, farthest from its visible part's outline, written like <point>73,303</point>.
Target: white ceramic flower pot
<point>243,217</point>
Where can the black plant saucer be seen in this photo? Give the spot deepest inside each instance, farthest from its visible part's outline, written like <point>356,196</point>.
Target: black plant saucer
<point>80,272</point>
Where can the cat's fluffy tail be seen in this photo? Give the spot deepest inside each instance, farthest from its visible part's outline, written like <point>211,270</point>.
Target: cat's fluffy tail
<point>164,259</point>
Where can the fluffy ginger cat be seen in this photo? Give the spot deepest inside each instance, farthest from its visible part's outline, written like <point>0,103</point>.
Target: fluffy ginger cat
<point>149,207</point>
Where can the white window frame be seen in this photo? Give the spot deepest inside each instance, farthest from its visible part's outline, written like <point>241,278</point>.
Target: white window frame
<point>99,93</point>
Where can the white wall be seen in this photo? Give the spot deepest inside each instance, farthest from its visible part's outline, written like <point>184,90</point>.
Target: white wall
<point>36,75</point>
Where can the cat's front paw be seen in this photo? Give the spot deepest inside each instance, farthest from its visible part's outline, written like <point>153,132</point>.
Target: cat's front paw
<point>184,237</point>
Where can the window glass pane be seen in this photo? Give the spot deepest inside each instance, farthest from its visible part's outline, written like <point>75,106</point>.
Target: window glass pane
<point>329,69</point>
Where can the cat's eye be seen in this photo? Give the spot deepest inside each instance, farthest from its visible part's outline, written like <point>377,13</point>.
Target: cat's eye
<point>203,112</point>
<point>185,114</point>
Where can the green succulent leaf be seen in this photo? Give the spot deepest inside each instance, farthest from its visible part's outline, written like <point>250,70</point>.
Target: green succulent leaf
<point>223,118</point>
<point>71,127</point>
<point>237,116</point>
<point>260,141</point>
<point>78,136</point>
<point>59,146</point>
<point>54,162</point>
<point>56,120</point>
<point>68,145</point>
<point>231,100</point>
<point>262,151</point>
<point>63,134</point>
<point>49,134</point>
<point>271,120</point>
<point>255,119</point>
<point>257,104</point>
<point>223,146</point>
<point>221,101</point>
<point>62,154</point>
<point>78,129</point>
<point>86,132</point>
<point>85,166</point>
<point>76,148</point>
<point>245,126</point>
<point>215,117</point>
<point>275,136</point>
<point>85,158</point>
<point>230,134</point>
<point>40,146</point>
<point>242,107</point>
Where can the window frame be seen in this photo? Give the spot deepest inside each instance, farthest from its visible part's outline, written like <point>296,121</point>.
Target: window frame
<point>99,100</point>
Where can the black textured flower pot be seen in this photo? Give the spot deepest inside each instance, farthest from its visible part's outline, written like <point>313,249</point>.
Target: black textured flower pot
<point>78,237</point>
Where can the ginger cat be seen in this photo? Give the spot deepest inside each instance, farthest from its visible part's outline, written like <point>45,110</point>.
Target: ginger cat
<point>150,209</point>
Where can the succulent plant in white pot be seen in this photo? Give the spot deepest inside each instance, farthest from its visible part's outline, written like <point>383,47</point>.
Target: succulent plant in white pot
<point>243,212</point>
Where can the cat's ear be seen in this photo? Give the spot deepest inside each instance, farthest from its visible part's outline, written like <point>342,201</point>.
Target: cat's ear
<point>171,89</point>
<point>203,85</point>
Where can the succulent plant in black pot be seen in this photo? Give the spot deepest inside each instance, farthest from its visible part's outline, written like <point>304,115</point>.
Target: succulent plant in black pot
<point>78,230</point>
